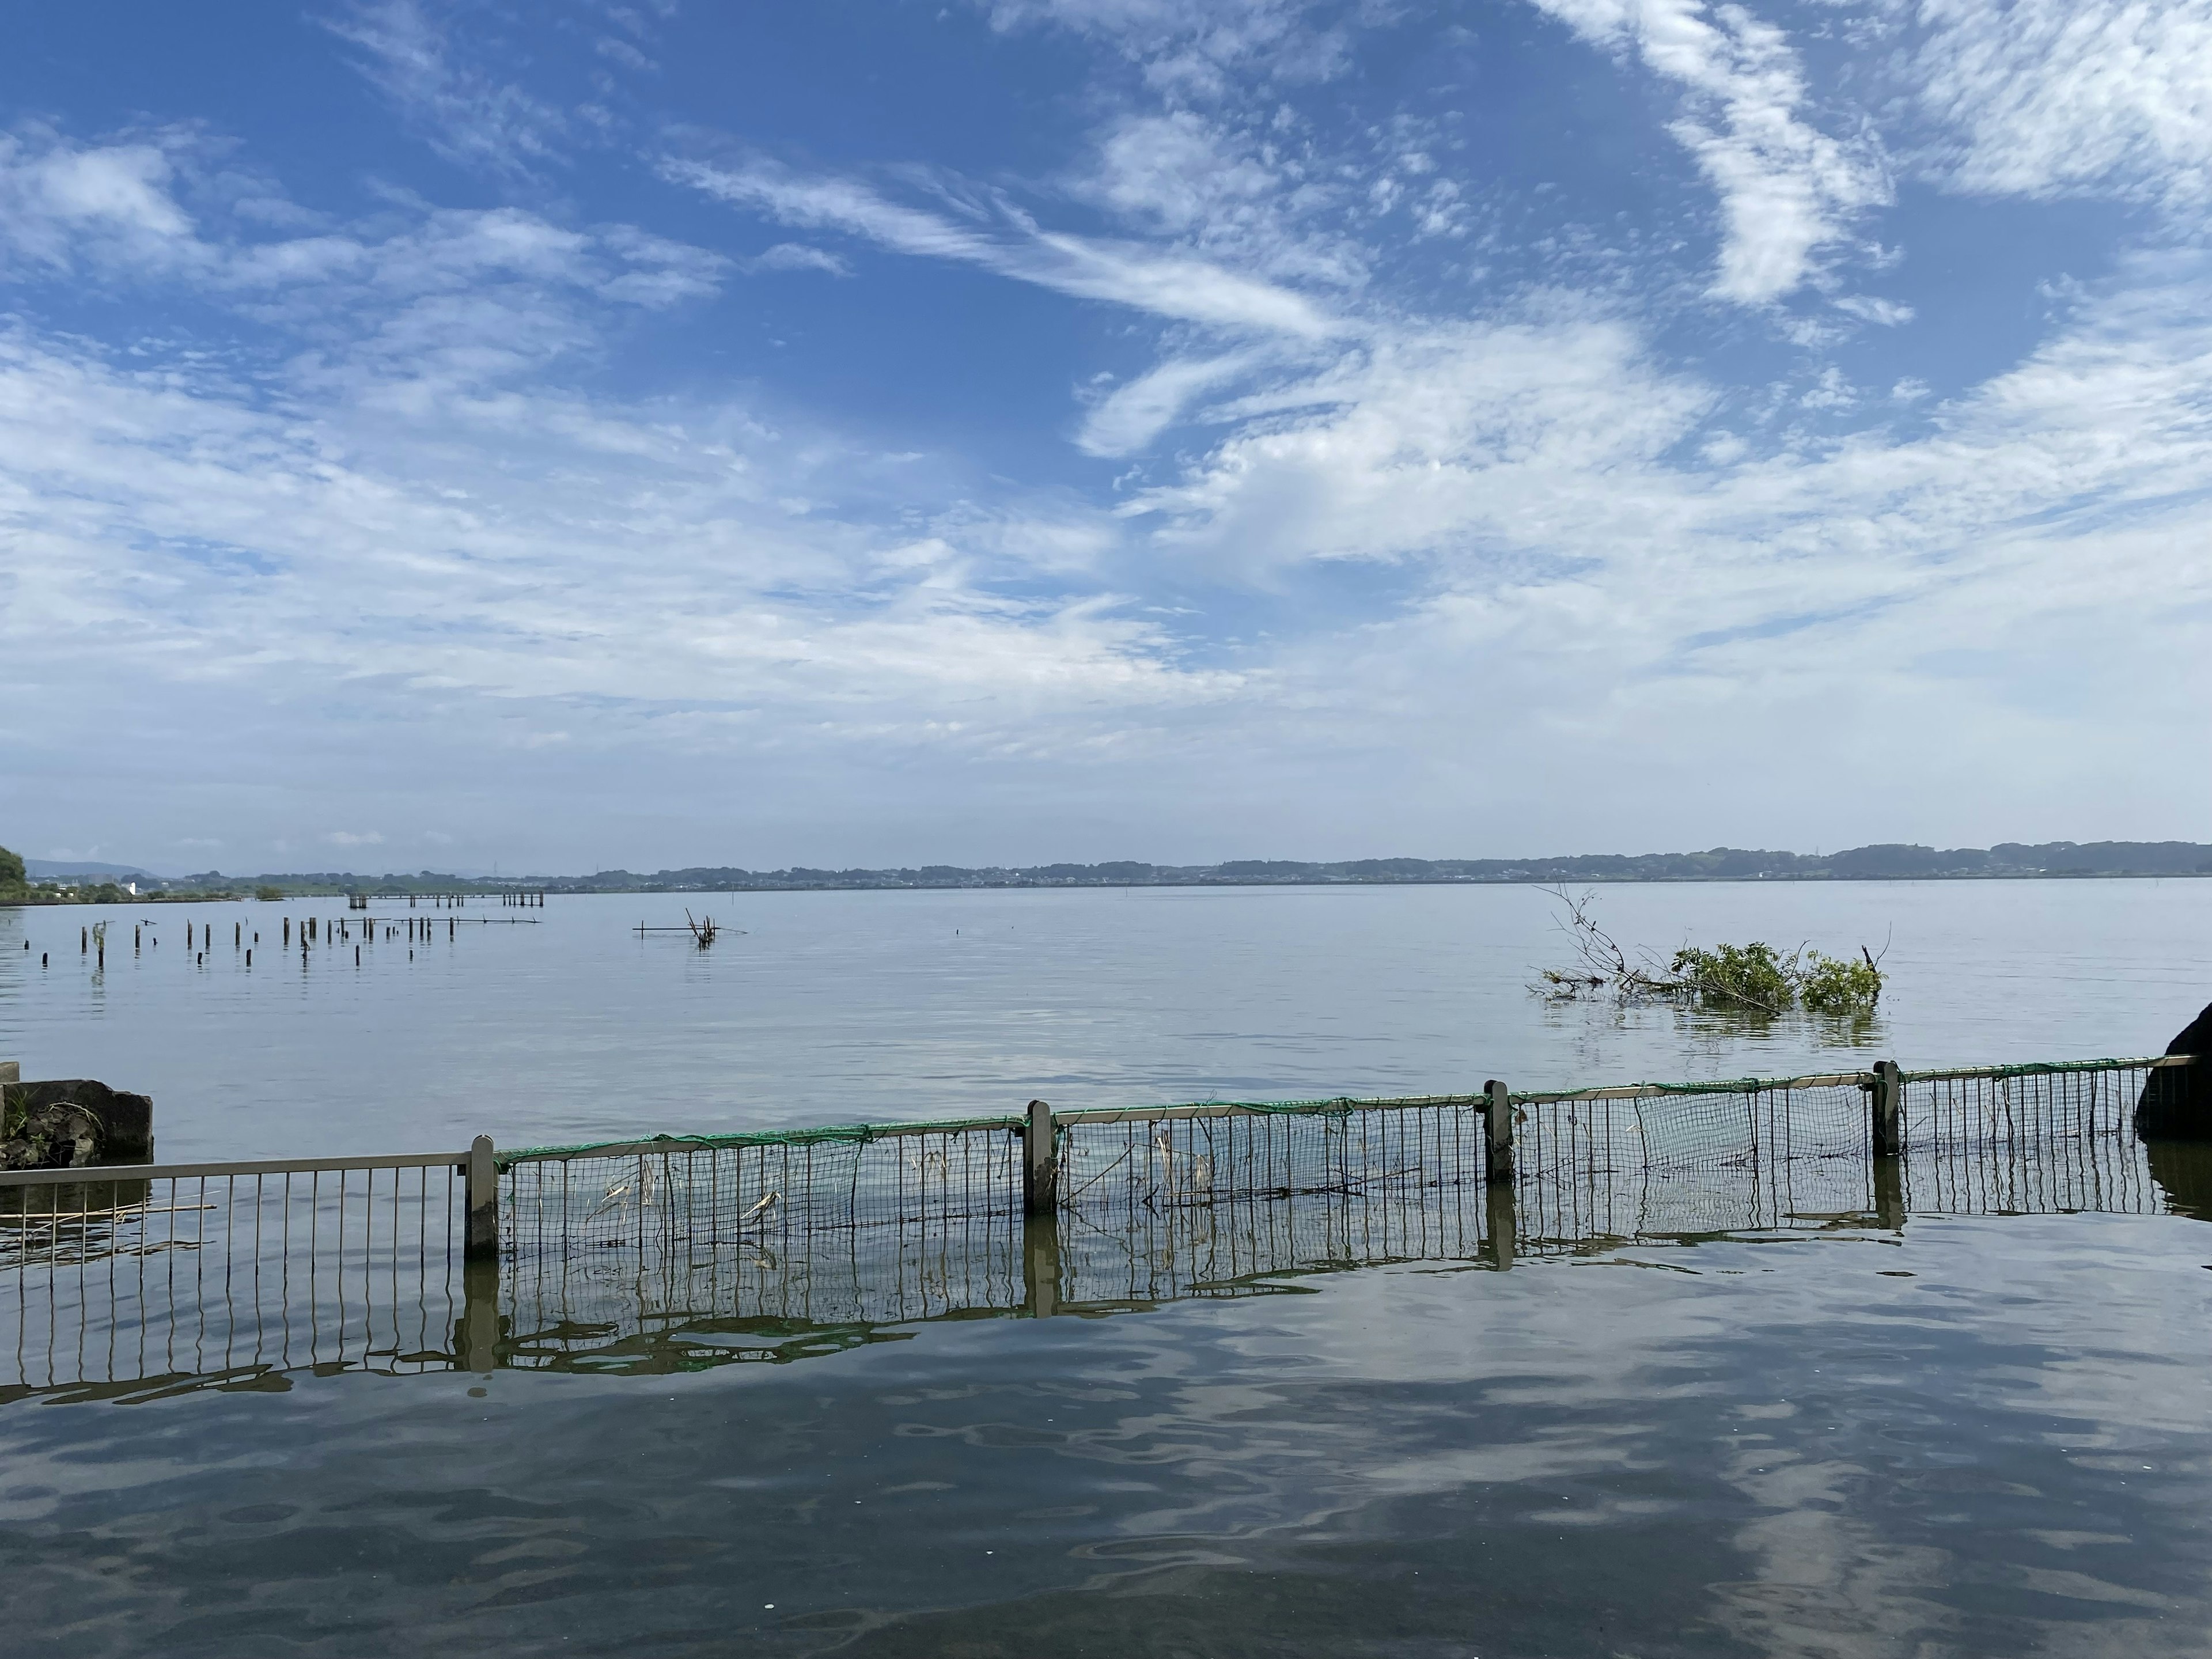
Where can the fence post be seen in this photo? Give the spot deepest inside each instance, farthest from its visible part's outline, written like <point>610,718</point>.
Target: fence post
<point>484,1200</point>
<point>1040,1169</point>
<point>1498,1121</point>
<point>1887,1102</point>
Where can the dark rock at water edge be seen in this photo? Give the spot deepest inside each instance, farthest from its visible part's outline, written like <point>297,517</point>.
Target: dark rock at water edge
<point>2176,1104</point>
<point>65,1122</point>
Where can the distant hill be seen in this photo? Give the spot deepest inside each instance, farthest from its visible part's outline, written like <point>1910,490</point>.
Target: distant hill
<point>1888,861</point>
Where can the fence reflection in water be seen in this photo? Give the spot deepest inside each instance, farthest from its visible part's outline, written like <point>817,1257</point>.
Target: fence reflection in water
<point>674,1254</point>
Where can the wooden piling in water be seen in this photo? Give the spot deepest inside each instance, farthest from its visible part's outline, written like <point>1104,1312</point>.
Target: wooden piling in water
<point>484,1200</point>
<point>1039,1164</point>
<point>1886,1102</point>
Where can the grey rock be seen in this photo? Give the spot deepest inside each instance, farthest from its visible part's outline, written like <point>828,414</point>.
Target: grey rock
<point>65,1122</point>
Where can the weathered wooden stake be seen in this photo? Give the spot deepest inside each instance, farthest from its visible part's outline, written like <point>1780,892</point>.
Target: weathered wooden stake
<point>484,1200</point>
<point>1886,1102</point>
<point>1498,1121</point>
<point>1040,1167</point>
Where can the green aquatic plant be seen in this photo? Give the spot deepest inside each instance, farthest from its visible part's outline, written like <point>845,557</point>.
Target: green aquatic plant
<point>1756,979</point>
<point>1839,985</point>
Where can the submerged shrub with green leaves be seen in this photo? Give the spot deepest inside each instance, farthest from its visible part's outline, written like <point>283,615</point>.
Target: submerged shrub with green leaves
<point>1838,985</point>
<point>1755,977</point>
<point>1752,979</point>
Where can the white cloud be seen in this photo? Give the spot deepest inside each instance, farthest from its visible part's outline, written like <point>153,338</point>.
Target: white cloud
<point>1431,442</point>
<point>1165,284</point>
<point>1130,416</point>
<point>114,208</point>
<point>1788,190</point>
<point>797,256</point>
<point>1889,314</point>
<point>2056,97</point>
<point>62,205</point>
<point>466,116</point>
<point>1250,199</point>
<point>355,838</point>
<point>1200,48</point>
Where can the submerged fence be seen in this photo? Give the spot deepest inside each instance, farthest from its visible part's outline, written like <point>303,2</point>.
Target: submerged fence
<point>680,1252</point>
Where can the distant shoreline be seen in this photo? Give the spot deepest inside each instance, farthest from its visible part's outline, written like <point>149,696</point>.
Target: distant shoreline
<point>2006,861</point>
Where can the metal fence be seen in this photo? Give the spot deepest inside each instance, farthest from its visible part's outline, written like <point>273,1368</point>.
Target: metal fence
<point>219,1274</point>
<point>679,1253</point>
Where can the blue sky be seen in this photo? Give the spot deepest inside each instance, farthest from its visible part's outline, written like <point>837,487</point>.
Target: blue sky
<point>581,434</point>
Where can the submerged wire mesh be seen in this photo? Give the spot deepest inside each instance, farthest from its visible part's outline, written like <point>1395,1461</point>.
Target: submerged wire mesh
<point>136,1285</point>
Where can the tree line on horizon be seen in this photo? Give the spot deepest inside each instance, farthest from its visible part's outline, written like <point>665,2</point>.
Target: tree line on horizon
<point>1885,861</point>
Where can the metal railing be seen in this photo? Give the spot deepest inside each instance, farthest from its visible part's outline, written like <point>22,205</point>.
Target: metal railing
<point>671,1252</point>
<point>142,1275</point>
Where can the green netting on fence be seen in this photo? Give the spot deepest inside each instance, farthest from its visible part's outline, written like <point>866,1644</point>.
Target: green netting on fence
<point>1213,1191</point>
<point>677,1251</point>
<point>803,1135</point>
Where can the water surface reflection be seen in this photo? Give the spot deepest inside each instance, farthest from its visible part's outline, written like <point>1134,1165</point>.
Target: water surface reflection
<point>1973,1435</point>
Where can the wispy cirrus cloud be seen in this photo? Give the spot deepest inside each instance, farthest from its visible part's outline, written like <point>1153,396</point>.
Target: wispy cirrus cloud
<point>465,114</point>
<point>1203,48</point>
<point>998,238</point>
<point>1788,190</point>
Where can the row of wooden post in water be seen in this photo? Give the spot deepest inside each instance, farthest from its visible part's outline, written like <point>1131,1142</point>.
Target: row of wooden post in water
<point>529,898</point>
<point>92,941</point>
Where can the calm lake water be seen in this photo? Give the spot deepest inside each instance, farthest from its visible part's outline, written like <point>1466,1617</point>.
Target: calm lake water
<point>1978,1436</point>
<point>833,1007</point>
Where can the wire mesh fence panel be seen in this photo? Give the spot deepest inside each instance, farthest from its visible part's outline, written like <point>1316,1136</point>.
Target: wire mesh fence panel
<point>2015,1140</point>
<point>642,1257</point>
<point>128,1284</point>
<point>1126,1163</point>
<point>757,1192</point>
<point>1678,1162</point>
